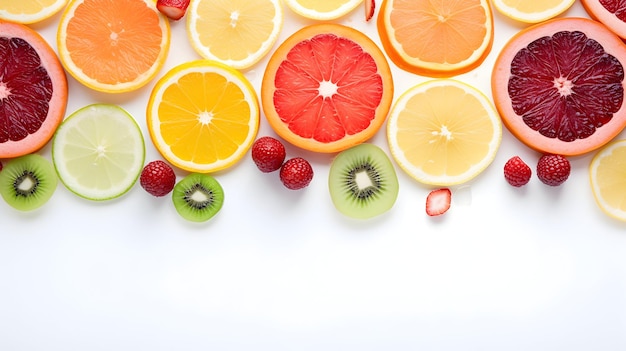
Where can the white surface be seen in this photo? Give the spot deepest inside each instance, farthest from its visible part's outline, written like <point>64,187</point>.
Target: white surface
<point>536,268</point>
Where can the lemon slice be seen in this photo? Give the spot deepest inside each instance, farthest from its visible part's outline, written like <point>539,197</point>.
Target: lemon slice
<point>29,11</point>
<point>98,152</point>
<point>607,174</point>
<point>238,33</point>
<point>532,11</point>
<point>203,116</point>
<point>443,132</point>
<point>322,9</point>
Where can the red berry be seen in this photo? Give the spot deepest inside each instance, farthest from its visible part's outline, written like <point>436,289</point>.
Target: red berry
<point>173,9</point>
<point>553,170</point>
<point>516,172</point>
<point>158,178</point>
<point>438,202</point>
<point>370,6</point>
<point>296,173</point>
<point>268,154</point>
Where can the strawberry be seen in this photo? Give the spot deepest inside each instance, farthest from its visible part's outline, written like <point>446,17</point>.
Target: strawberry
<point>370,6</point>
<point>296,173</point>
<point>553,170</point>
<point>157,178</point>
<point>516,172</point>
<point>268,154</point>
<point>438,202</point>
<point>173,9</point>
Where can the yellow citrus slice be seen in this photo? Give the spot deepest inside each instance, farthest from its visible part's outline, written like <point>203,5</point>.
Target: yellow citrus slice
<point>443,132</point>
<point>29,11</point>
<point>322,9</point>
<point>238,33</point>
<point>532,11</point>
<point>607,174</point>
<point>203,116</point>
<point>113,45</point>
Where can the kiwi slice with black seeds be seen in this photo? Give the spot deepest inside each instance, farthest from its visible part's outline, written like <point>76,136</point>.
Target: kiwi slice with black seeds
<point>363,182</point>
<point>28,182</point>
<point>198,197</point>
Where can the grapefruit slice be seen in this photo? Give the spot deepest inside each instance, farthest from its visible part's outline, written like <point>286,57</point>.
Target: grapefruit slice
<point>33,90</point>
<point>559,86</point>
<point>611,13</point>
<point>326,88</point>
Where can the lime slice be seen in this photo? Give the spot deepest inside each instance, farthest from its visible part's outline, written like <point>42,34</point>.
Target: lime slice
<point>98,152</point>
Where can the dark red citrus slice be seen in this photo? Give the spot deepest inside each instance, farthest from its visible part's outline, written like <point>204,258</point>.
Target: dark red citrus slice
<point>326,88</point>
<point>612,13</point>
<point>33,90</point>
<point>559,86</point>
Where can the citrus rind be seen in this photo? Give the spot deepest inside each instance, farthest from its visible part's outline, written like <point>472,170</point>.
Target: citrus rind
<point>435,132</point>
<point>98,152</point>
<point>327,15</point>
<point>232,76</point>
<point>609,196</point>
<point>45,12</point>
<point>223,36</point>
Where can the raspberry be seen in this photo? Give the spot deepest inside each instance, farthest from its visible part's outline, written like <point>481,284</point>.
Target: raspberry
<point>516,172</point>
<point>157,178</point>
<point>553,170</point>
<point>268,154</point>
<point>296,173</point>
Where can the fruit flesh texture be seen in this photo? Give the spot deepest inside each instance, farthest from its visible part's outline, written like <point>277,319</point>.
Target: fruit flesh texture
<point>362,182</point>
<point>332,89</point>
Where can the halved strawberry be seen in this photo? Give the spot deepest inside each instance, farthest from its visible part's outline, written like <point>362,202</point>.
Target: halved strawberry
<point>438,201</point>
<point>370,6</point>
<point>173,9</point>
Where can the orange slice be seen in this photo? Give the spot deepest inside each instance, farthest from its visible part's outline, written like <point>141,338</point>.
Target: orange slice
<point>443,132</point>
<point>326,88</point>
<point>436,38</point>
<point>238,33</point>
<point>203,116</point>
<point>322,9</point>
<point>113,45</point>
<point>27,12</point>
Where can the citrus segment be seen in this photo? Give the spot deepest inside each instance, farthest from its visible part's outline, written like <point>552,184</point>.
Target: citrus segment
<point>532,11</point>
<point>203,116</point>
<point>443,132</point>
<point>611,13</point>
<point>113,45</point>
<point>28,12</point>
<point>436,38</point>
<point>322,9</point>
<point>33,90</point>
<point>559,86</point>
<point>238,33</point>
<point>326,88</point>
<point>98,152</point>
<point>607,174</point>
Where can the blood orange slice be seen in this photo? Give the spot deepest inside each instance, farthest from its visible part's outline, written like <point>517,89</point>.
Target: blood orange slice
<point>33,90</point>
<point>559,86</point>
<point>611,13</point>
<point>326,88</point>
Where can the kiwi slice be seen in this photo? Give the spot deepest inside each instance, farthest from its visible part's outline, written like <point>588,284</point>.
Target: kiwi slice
<point>198,197</point>
<point>27,182</point>
<point>363,182</point>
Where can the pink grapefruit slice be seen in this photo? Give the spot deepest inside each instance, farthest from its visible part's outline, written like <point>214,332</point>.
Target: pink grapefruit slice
<point>326,88</point>
<point>611,13</point>
<point>559,86</point>
<point>33,90</point>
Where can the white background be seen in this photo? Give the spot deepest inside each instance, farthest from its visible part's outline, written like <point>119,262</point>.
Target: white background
<point>536,268</point>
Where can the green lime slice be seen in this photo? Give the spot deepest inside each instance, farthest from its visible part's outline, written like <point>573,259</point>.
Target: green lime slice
<point>99,152</point>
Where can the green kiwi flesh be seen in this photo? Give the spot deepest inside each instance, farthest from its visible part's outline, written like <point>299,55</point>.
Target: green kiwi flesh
<point>198,197</point>
<point>363,182</point>
<point>28,182</point>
